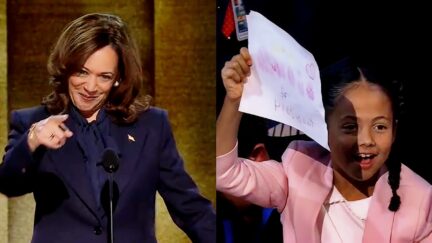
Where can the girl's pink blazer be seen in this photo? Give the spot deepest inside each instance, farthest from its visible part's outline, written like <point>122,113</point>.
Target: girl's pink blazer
<point>299,185</point>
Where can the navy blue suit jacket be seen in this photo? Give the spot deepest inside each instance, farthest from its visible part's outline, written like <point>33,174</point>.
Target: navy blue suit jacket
<point>65,207</point>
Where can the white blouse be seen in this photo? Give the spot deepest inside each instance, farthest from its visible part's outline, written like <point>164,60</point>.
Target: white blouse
<point>344,221</point>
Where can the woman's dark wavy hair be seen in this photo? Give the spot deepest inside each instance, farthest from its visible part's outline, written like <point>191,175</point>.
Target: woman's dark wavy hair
<point>80,39</point>
<point>337,77</point>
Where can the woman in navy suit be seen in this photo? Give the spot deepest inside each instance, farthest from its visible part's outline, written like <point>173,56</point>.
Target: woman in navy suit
<point>55,150</point>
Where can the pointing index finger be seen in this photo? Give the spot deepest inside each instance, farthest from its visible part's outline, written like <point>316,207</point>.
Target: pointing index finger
<point>59,120</point>
<point>63,127</point>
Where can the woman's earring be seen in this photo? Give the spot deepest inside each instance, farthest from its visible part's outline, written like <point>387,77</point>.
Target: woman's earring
<point>116,83</point>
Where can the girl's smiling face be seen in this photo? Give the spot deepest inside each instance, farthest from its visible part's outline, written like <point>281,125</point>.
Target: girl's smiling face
<point>361,130</point>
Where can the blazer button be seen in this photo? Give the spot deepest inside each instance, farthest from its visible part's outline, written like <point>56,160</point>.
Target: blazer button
<point>97,230</point>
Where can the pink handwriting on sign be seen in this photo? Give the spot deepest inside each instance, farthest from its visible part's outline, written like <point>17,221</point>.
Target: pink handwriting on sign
<point>277,69</point>
<point>309,92</point>
<point>300,88</point>
<point>310,70</point>
<point>290,75</point>
<point>270,65</point>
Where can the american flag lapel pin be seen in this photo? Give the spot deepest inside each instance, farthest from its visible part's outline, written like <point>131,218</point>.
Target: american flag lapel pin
<point>131,138</point>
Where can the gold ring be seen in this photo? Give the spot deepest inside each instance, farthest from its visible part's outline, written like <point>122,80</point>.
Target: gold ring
<point>32,131</point>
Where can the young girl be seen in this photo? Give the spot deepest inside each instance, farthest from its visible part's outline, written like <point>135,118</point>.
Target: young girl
<point>358,192</point>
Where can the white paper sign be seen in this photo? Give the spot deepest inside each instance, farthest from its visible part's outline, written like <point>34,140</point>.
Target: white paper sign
<point>285,84</point>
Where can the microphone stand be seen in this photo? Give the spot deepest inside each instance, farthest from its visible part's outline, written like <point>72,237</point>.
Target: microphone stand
<point>111,221</point>
<point>110,162</point>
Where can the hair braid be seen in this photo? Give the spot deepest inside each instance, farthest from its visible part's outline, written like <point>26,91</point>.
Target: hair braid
<point>394,167</point>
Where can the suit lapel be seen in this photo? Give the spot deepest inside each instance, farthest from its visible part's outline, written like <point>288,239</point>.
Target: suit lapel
<point>69,163</point>
<point>129,141</point>
<point>317,184</point>
<point>379,221</point>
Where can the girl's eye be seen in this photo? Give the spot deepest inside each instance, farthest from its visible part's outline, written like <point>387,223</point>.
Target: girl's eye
<point>349,128</point>
<point>380,127</point>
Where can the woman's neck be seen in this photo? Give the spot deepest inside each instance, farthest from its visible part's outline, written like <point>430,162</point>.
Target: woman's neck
<point>90,116</point>
<point>353,190</point>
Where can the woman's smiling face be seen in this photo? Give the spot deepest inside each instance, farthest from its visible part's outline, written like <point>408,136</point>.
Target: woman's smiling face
<point>90,86</point>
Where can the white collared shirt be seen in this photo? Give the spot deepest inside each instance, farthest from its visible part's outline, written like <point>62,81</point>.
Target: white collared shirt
<point>344,221</point>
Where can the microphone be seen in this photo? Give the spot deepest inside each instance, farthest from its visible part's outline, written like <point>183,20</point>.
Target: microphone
<point>110,160</point>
